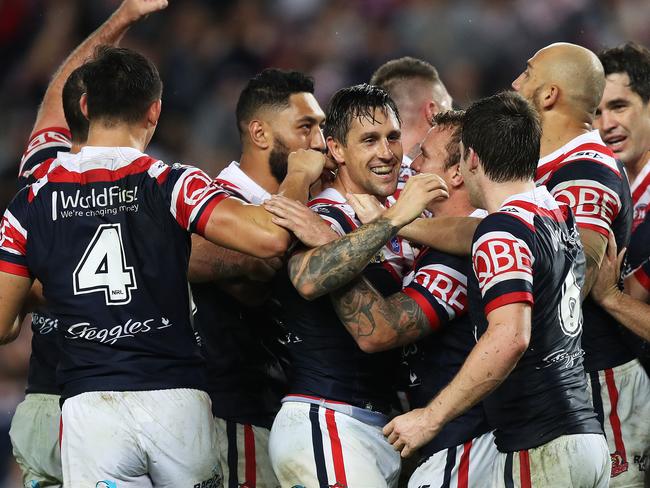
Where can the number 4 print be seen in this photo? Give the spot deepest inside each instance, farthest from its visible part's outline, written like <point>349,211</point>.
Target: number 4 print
<point>103,267</point>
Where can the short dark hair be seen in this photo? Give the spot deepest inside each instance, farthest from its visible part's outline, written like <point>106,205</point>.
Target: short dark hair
<point>406,68</point>
<point>451,119</point>
<point>359,101</point>
<point>121,84</point>
<point>270,88</point>
<point>504,130</point>
<point>634,60</point>
<point>72,90</point>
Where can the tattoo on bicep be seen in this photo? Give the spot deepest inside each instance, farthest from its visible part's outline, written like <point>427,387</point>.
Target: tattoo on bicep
<point>332,265</point>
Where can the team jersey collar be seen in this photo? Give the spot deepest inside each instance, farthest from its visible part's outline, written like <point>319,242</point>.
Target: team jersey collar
<point>250,190</point>
<point>538,196</point>
<point>590,137</point>
<point>95,157</point>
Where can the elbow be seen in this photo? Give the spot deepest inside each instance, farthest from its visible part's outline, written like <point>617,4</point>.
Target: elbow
<point>370,346</point>
<point>272,246</point>
<point>377,342</point>
<point>520,345</point>
<point>306,290</point>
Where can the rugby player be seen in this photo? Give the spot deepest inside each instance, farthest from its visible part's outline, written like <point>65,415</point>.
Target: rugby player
<point>429,318</point>
<point>277,114</point>
<point>419,94</point>
<point>59,126</point>
<point>328,431</point>
<point>97,231</point>
<point>524,296</point>
<point>565,83</point>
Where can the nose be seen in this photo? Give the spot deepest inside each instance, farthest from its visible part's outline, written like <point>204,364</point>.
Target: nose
<point>516,83</point>
<point>606,122</point>
<point>318,141</point>
<point>384,150</point>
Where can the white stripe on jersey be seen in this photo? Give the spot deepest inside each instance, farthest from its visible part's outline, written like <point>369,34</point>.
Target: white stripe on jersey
<point>509,275</point>
<point>15,223</point>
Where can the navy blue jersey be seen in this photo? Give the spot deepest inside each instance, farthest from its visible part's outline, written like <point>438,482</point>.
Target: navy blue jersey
<point>246,363</point>
<point>585,175</point>
<point>106,231</point>
<point>41,150</point>
<point>530,252</point>
<point>439,286</point>
<point>325,360</point>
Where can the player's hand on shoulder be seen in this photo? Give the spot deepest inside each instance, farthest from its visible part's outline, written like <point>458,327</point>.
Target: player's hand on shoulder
<point>420,189</point>
<point>367,207</point>
<point>136,9</point>
<point>606,284</point>
<point>306,225</point>
<point>307,161</point>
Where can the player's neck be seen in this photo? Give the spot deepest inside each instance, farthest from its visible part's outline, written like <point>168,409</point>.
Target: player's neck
<point>257,168</point>
<point>558,129</point>
<point>116,136</point>
<point>633,168</point>
<point>497,193</point>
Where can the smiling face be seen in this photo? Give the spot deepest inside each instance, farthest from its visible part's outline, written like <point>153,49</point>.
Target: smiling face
<point>623,120</point>
<point>372,156</point>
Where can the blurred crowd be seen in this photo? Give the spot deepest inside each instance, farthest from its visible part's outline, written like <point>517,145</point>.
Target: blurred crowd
<point>207,49</point>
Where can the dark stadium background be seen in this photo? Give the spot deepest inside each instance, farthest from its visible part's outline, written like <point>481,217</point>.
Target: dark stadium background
<point>207,49</point>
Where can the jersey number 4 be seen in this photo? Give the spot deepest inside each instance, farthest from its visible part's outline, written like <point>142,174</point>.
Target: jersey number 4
<point>103,267</point>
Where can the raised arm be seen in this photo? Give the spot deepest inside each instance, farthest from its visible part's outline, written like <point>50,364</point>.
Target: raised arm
<point>50,113</point>
<point>493,358</point>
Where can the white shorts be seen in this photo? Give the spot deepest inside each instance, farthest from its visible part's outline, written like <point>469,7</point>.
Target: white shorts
<point>35,439</point>
<point>621,398</point>
<point>313,446</point>
<point>570,461</point>
<point>463,466</point>
<point>244,455</point>
<point>162,438</point>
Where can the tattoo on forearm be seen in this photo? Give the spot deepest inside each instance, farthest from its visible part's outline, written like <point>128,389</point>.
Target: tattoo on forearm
<point>332,265</point>
<point>395,320</point>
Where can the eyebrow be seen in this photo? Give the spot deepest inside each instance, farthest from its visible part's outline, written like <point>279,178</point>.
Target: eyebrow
<point>617,101</point>
<point>308,118</point>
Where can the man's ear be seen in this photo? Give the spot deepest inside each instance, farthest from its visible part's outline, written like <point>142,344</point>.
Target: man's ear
<point>337,150</point>
<point>83,104</point>
<point>472,160</point>
<point>153,114</point>
<point>549,97</point>
<point>456,178</point>
<point>259,134</point>
<point>430,109</point>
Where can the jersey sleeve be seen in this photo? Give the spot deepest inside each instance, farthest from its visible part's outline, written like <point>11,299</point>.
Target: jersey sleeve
<point>502,261</point>
<point>591,190</point>
<point>13,237</point>
<point>337,219</point>
<point>41,150</point>
<point>439,287</point>
<point>191,195</point>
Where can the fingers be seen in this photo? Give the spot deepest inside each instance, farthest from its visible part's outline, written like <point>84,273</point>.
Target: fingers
<point>388,428</point>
